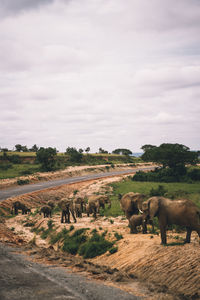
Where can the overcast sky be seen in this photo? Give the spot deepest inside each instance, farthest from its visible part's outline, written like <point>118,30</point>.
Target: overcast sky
<point>99,73</point>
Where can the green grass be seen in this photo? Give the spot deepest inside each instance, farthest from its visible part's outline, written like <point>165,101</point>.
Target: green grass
<point>174,190</point>
<point>24,154</point>
<point>19,170</point>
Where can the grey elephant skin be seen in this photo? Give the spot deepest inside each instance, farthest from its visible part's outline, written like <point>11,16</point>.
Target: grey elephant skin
<point>178,212</point>
<point>46,211</point>
<point>139,220</point>
<point>66,206</point>
<point>95,202</point>
<point>131,203</point>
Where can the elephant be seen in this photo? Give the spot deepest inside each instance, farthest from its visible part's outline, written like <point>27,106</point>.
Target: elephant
<point>95,202</point>
<point>137,220</point>
<point>179,212</point>
<point>81,201</point>
<point>51,204</point>
<point>92,207</point>
<point>103,199</point>
<point>46,210</point>
<point>77,209</point>
<point>17,205</point>
<point>131,203</point>
<point>66,205</point>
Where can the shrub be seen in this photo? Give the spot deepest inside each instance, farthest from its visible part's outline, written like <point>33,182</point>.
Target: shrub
<point>22,181</point>
<point>15,159</point>
<point>29,224</point>
<point>113,250</point>
<point>118,236</point>
<point>95,246</point>
<point>194,174</point>
<point>159,191</point>
<point>5,166</point>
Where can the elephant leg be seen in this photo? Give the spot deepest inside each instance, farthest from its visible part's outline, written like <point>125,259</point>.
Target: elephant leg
<point>73,216</point>
<point>95,212</point>
<point>188,235</point>
<point>62,217</point>
<point>133,229</point>
<point>152,224</point>
<point>16,211</point>
<point>144,227</point>
<point>68,216</point>
<point>128,215</point>
<point>163,235</point>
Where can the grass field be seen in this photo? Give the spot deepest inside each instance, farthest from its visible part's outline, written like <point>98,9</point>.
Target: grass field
<point>19,170</point>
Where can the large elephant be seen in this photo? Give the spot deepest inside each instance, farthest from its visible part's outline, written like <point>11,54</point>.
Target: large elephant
<point>131,203</point>
<point>180,212</point>
<point>66,206</point>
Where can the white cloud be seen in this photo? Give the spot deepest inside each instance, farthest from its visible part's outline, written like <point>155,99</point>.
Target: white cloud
<point>106,73</point>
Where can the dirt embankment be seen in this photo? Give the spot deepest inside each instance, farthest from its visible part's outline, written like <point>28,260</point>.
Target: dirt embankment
<point>170,272</point>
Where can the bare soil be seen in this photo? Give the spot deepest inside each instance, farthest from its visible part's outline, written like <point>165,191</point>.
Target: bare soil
<point>141,265</point>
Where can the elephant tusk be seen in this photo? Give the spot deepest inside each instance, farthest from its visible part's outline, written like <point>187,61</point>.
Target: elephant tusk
<point>140,211</point>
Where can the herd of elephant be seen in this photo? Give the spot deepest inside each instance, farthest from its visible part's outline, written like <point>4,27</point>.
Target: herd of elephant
<point>137,210</point>
<point>68,206</point>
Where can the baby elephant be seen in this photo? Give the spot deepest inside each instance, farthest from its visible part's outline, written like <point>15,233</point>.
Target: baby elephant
<point>138,220</point>
<point>46,210</point>
<point>17,205</point>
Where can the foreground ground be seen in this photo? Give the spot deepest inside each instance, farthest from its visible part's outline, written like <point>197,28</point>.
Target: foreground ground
<point>141,265</point>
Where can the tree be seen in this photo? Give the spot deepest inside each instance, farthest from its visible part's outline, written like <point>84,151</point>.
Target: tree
<point>102,150</point>
<point>34,148</point>
<point>18,148</point>
<point>80,150</point>
<point>122,151</point>
<point>24,149</point>
<point>174,156</point>
<point>47,157</point>
<point>87,150</point>
<point>74,155</point>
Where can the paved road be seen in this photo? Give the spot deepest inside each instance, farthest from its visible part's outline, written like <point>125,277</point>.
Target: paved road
<point>16,191</point>
<point>21,279</point>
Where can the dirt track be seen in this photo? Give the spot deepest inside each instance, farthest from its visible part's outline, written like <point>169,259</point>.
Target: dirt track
<point>173,271</point>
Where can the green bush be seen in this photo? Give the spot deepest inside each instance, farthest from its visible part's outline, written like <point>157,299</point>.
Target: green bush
<point>194,174</point>
<point>118,236</point>
<point>95,246</point>
<point>15,159</point>
<point>22,181</point>
<point>159,191</point>
<point>5,166</point>
<point>113,250</point>
<point>168,175</point>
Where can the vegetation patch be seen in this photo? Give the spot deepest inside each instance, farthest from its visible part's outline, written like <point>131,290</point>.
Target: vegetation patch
<point>22,181</point>
<point>96,245</point>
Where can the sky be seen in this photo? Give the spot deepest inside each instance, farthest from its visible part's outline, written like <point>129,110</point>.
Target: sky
<point>99,73</point>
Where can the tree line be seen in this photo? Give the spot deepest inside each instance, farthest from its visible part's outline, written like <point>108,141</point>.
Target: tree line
<point>35,148</point>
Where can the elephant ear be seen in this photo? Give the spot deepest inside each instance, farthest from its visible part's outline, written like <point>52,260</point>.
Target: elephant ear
<point>153,204</point>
